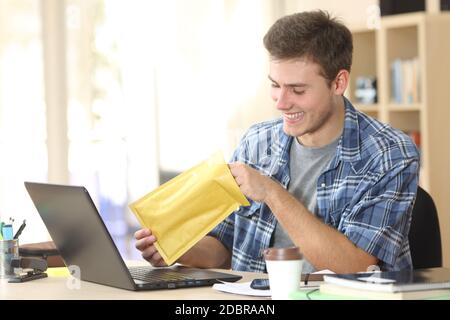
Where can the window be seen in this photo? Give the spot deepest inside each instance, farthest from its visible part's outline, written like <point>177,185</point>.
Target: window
<point>22,113</point>
<point>151,86</point>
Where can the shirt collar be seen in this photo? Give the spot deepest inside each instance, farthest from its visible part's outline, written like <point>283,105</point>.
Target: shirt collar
<point>349,148</point>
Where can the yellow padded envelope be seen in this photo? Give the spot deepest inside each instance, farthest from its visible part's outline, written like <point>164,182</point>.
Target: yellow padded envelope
<point>183,210</point>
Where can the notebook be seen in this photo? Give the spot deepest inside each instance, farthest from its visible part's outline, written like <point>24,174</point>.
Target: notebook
<point>83,240</point>
<point>351,293</point>
<point>394,281</point>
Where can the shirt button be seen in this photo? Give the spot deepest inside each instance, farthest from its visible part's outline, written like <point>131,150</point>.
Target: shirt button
<point>323,185</point>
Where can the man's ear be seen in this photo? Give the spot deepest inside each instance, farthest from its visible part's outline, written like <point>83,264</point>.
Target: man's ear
<point>340,83</point>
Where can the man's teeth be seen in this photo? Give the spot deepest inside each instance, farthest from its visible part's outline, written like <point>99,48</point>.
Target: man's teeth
<point>294,116</point>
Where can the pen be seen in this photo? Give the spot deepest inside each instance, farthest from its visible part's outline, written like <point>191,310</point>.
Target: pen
<point>20,229</point>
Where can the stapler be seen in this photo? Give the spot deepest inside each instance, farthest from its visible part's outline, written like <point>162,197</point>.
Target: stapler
<point>28,268</point>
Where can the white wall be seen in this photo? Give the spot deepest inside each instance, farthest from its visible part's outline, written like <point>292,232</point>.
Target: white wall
<point>352,12</point>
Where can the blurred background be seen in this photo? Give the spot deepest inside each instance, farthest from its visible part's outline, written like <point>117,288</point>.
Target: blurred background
<point>120,96</point>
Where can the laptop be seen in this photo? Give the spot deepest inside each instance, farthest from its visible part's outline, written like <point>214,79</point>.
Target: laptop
<point>83,240</point>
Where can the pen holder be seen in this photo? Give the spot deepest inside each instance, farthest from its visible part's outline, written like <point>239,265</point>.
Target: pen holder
<point>9,249</point>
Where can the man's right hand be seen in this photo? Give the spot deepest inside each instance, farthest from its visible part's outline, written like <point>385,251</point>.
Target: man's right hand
<point>145,243</point>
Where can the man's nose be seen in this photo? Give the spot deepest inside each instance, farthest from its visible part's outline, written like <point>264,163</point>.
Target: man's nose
<point>283,101</point>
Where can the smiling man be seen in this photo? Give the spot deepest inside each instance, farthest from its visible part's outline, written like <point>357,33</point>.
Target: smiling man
<point>324,177</point>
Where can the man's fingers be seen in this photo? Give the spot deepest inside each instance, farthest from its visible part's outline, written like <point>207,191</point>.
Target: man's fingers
<point>140,244</point>
<point>232,168</point>
<point>144,243</point>
<point>148,253</point>
<point>233,164</point>
<point>152,255</point>
<point>236,168</point>
<point>160,263</point>
<point>155,259</point>
<point>142,233</point>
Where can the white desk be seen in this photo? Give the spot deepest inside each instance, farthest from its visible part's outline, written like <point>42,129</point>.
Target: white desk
<point>55,287</point>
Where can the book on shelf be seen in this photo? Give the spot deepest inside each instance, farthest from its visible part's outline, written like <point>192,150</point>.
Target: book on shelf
<point>405,81</point>
<point>415,137</point>
<point>394,281</point>
<point>366,90</point>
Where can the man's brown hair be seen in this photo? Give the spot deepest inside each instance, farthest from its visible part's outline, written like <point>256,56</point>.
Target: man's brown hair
<point>312,35</point>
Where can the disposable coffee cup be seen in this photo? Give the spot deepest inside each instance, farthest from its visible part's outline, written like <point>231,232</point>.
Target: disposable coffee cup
<point>9,249</point>
<point>284,266</point>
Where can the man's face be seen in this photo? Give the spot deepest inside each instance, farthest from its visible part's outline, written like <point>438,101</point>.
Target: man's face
<point>303,96</point>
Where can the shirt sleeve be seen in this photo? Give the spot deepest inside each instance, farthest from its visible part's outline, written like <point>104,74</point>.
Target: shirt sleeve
<point>380,221</point>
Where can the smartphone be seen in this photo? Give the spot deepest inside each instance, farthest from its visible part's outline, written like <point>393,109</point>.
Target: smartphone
<point>260,284</point>
<point>311,280</point>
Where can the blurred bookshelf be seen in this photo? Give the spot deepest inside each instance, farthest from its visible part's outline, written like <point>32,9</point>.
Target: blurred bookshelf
<point>364,67</point>
<point>406,61</point>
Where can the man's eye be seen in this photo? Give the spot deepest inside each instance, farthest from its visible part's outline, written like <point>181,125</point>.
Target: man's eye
<point>274,85</point>
<point>298,92</point>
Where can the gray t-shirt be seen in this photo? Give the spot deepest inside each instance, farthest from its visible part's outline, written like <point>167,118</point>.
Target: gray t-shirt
<point>306,165</point>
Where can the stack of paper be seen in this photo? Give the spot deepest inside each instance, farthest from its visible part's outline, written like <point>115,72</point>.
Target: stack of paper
<point>405,284</point>
<point>242,288</point>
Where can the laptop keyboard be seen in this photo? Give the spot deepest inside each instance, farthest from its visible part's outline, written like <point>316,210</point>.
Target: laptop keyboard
<point>157,275</point>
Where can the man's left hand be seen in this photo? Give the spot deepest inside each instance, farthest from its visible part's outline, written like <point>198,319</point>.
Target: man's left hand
<point>252,183</point>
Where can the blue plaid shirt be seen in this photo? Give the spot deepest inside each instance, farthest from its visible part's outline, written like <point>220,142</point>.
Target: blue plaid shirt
<point>367,192</point>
